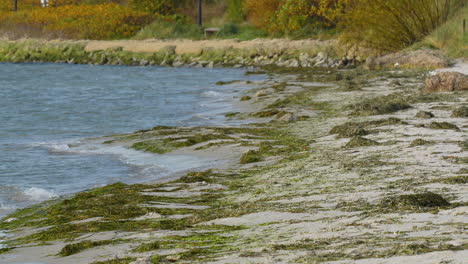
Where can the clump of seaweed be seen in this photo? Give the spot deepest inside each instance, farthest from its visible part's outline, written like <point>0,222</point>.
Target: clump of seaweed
<point>264,114</point>
<point>226,82</point>
<point>380,105</point>
<point>71,249</point>
<point>443,125</point>
<point>192,177</point>
<point>251,156</point>
<point>460,112</point>
<point>455,180</point>
<point>145,247</point>
<point>349,129</point>
<point>415,201</point>
<point>419,142</point>
<point>245,98</point>
<point>359,141</point>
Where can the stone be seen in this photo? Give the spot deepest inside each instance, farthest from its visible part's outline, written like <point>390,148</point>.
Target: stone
<point>142,261</point>
<point>446,82</point>
<point>424,114</point>
<point>424,58</point>
<point>144,62</point>
<point>287,117</point>
<point>169,49</point>
<point>261,93</point>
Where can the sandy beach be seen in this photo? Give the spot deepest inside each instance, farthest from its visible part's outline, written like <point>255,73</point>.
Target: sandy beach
<point>355,167</point>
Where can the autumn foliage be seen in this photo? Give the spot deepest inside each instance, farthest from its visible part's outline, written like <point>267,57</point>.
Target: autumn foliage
<point>283,16</point>
<point>103,21</point>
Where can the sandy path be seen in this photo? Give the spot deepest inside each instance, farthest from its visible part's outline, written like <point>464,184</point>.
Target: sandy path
<point>195,47</point>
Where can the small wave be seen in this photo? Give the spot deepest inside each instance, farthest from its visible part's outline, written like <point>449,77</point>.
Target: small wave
<point>57,147</point>
<point>4,207</point>
<point>14,195</point>
<point>212,94</point>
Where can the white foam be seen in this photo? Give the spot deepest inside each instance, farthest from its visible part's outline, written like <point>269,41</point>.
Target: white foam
<point>39,194</point>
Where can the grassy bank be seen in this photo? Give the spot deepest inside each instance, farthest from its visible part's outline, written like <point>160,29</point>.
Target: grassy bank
<point>449,37</point>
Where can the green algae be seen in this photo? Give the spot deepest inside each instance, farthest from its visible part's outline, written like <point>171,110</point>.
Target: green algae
<point>265,114</point>
<point>251,156</point>
<point>349,129</point>
<point>454,180</point>
<point>191,177</point>
<point>245,98</point>
<point>379,106</point>
<point>75,248</point>
<point>116,261</point>
<point>145,247</point>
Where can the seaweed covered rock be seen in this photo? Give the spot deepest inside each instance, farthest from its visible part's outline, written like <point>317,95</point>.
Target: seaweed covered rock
<point>446,82</point>
<point>443,125</point>
<point>349,129</point>
<point>419,200</point>
<point>419,142</point>
<point>460,112</point>
<point>359,141</point>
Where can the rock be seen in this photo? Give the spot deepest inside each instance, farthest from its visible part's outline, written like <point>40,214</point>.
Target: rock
<point>371,63</point>
<point>287,117</point>
<point>460,112</point>
<point>424,114</point>
<point>446,82</point>
<point>294,63</point>
<point>321,57</point>
<point>177,63</point>
<point>210,65</point>
<point>173,258</point>
<point>169,49</point>
<point>144,62</point>
<point>424,58</point>
<point>261,93</point>
<point>142,261</point>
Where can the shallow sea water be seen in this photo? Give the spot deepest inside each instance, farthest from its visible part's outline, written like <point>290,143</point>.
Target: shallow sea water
<point>45,108</point>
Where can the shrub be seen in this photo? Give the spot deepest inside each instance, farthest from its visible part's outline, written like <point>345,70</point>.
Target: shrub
<point>390,25</point>
<point>163,7</point>
<point>262,12</point>
<point>236,10</point>
<point>106,21</point>
<point>170,29</point>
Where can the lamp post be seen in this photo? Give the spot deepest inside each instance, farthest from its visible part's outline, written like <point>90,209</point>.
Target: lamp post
<point>15,6</point>
<point>200,19</point>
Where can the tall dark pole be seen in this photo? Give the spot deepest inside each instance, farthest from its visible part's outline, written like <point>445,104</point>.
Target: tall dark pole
<point>200,14</point>
<point>15,8</point>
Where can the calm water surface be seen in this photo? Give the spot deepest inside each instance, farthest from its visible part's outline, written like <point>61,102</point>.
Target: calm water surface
<point>46,108</point>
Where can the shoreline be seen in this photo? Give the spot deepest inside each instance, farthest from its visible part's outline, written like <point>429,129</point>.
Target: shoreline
<point>215,53</point>
<point>302,188</point>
